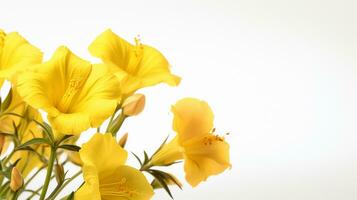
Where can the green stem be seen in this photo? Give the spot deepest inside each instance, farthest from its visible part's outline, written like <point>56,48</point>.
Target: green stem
<point>34,193</point>
<point>9,157</point>
<point>118,122</point>
<point>33,176</point>
<point>49,172</point>
<point>112,118</point>
<point>55,193</point>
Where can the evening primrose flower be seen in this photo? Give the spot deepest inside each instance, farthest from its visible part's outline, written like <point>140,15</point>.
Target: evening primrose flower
<point>75,94</point>
<point>105,175</point>
<point>16,54</point>
<point>204,153</point>
<point>137,66</point>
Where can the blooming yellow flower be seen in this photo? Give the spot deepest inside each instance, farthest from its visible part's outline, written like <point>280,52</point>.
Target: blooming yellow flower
<point>15,54</point>
<point>204,153</point>
<point>105,175</point>
<point>28,130</point>
<point>137,66</point>
<point>75,94</point>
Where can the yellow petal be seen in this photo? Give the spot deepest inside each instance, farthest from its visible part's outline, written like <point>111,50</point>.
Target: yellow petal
<point>205,156</point>
<point>90,189</point>
<point>192,118</point>
<point>103,152</point>
<point>169,153</point>
<point>137,65</point>
<point>75,94</point>
<point>16,54</point>
<point>111,48</point>
<point>125,183</point>
<point>16,106</point>
<point>154,68</point>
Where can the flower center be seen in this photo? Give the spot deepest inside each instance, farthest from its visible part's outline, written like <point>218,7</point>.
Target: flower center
<point>134,62</point>
<point>209,140</point>
<point>74,86</point>
<point>116,189</point>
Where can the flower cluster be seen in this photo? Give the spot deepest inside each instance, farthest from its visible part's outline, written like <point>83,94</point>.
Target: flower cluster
<point>51,103</point>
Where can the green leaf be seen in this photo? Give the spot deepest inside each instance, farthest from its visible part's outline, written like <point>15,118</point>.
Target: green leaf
<point>32,142</point>
<point>64,138</point>
<point>71,196</point>
<point>167,178</point>
<point>137,157</point>
<point>46,128</point>
<point>70,147</point>
<point>161,179</point>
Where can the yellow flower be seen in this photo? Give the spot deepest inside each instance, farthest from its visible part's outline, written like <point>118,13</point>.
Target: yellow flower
<point>16,106</point>
<point>204,153</point>
<point>15,54</point>
<point>28,130</point>
<point>105,175</point>
<point>75,94</point>
<point>137,66</point>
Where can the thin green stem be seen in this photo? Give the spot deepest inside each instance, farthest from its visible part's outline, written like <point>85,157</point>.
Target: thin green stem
<point>34,193</point>
<point>33,176</point>
<point>49,172</point>
<point>9,157</point>
<point>117,124</point>
<point>56,192</point>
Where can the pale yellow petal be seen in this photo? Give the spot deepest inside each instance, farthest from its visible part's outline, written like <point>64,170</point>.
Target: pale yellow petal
<point>205,156</point>
<point>125,183</point>
<point>90,188</point>
<point>192,118</point>
<point>103,152</point>
<point>17,54</point>
<point>112,49</point>
<point>154,68</point>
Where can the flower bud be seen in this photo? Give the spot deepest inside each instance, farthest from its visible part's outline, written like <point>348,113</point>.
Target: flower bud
<point>134,104</point>
<point>168,179</point>
<point>16,179</point>
<point>59,173</point>
<point>123,140</point>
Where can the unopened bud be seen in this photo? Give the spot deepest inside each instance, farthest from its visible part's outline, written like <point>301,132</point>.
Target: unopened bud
<point>134,104</point>
<point>16,179</point>
<point>59,173</point>
<point>169,179</point>
<point>123,140</point>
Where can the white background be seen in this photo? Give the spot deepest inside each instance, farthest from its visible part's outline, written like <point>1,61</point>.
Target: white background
<point>280,76</point>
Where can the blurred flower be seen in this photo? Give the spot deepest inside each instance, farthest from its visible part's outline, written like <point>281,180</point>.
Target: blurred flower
<point>75,94</point>
<point>204,153</point>
<point>15,55</point>
<point>137,66</point>
<point>105,175</point>
<point>28,130</point>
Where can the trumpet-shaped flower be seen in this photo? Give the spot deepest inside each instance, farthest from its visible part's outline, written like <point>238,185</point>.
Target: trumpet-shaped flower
<point>204,153</point>
<point>75,94</point>
<point>15,55</point>
<point>137,66</point>
<point>105,175</point>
